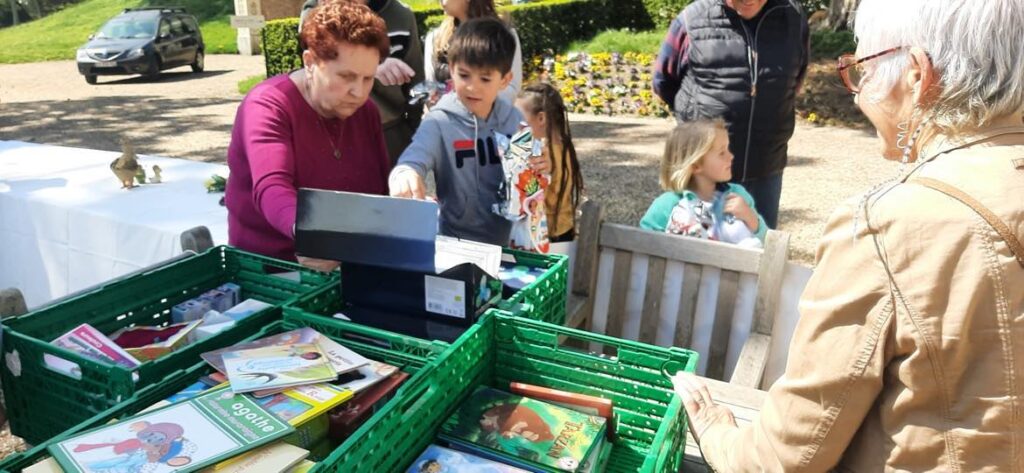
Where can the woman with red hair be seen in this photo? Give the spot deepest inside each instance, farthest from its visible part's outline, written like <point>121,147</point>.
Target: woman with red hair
<point>311,128</point>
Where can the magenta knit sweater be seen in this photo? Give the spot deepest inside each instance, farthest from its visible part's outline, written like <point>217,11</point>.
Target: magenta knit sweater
<point>279,144</point>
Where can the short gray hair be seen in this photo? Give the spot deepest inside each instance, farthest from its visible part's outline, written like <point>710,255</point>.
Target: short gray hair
<point>975,46</point>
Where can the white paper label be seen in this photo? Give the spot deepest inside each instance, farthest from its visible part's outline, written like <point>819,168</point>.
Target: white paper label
<point>445,296</point>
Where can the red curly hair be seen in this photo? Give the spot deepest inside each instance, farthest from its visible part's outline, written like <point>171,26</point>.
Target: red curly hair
<point>334,22</point>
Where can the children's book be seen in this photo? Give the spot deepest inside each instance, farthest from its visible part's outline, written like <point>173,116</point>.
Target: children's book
<point>300,404</point>
<point>342,359</point>
<point>345,420</point>
<point>150,343</point>
<point>304,467</point>
<point>46,465</point>
<point>277,367</point>
<point>436,459</point>
<point>590,405</point>
<point>89,342</point>
<point>532,434</point>
<point>278,457</point>
<point>182,437</point>
<point>361,379</point>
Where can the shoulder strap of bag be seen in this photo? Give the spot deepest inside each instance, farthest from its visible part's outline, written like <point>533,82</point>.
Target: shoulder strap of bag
<point>1001,228</point>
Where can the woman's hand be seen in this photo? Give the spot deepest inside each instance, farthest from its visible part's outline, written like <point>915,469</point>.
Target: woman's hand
<point>701,410</point>
<point>407,183</point>
<point>738,207</point>
<point>322,265</point>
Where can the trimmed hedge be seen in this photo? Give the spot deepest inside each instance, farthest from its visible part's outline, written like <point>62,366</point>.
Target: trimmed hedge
<point>661,12</point>
<point>543,27</point>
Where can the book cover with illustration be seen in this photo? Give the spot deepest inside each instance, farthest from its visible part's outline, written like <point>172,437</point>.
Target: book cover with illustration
<point>437,459</point>
<point>341,358</point>
<point>182,437</point>
<point>302,403</point>
<point>361,379</point>
<point>530,433</point>
<point>590,405</point>
<point>277,367</point>
<point>89,342</point>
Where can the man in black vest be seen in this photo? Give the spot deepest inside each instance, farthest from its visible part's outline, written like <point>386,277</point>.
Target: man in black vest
<point>743,61</point>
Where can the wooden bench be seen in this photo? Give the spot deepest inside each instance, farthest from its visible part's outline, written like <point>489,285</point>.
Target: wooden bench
<point>718,299</point>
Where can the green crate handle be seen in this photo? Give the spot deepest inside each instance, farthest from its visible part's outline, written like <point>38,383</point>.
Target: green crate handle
<point>414,400</point>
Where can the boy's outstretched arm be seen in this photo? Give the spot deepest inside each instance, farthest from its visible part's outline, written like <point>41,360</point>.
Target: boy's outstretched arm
<point>427,147</point>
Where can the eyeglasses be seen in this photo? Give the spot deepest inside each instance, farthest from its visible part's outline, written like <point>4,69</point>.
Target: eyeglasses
<point>852,72</point>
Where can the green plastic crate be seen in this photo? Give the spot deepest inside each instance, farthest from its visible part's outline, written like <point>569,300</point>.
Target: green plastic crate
<point>544,299</point>
<point>650,430</point>
<point>410,354</point>
<point>42,402</point>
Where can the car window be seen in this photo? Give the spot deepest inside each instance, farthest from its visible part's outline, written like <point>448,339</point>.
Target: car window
<point>190,24</point>
<point>121,28</point>
<point>165,28</point>
<point>177,29</point>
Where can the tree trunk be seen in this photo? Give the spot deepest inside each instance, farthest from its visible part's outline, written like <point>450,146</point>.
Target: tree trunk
<point>841,13</point>
<point>14,11</point>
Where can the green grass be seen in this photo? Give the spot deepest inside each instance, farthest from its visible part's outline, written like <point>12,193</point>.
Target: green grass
<point>57,36</point>
<point>248,83</point>
<point>622,41</point>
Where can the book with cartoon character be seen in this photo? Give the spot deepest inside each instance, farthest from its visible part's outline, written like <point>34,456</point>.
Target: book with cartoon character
<point>182,437</point>
<point>525,432</point>
<point>277,367</point>
<point>437,459</point>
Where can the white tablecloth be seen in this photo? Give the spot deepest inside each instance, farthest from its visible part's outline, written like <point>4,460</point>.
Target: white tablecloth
<point>65,223</point>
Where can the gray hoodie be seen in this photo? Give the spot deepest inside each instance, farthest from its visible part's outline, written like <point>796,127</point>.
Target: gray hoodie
<point>461,151</point>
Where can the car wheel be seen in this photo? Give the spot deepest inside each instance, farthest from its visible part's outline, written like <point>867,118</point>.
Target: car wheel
<point>154,70</point>
<point>199,63</point>
<point>90,78</point>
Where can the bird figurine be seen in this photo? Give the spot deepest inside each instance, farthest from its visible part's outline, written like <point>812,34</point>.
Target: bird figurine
<point>126,166</point>
<point>156,179</point>
<point>140,175</point>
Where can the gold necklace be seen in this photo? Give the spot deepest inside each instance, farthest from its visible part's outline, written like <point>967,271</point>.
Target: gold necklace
<point>320,120</point>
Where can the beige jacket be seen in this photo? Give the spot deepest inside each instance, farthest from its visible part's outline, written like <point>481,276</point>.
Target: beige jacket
<point>909,352</point>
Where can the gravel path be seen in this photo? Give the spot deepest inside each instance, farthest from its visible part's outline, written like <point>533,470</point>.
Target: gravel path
<point>190,116</point>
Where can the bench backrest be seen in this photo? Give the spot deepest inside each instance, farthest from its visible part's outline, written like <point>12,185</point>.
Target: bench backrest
<point>718,299</point>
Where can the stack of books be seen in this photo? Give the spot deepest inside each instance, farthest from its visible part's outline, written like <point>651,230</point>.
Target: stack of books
<point>269,405</point>
<point>495,430</point>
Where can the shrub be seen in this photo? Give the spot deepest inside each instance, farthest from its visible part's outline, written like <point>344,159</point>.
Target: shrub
<point>543,27</point>
<point>661,12</point>
<point>281,46</point>
<point>828,44</point>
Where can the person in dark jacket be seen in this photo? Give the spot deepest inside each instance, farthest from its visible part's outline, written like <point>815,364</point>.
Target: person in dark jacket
<point>742,61</point>
<point>396,75</point>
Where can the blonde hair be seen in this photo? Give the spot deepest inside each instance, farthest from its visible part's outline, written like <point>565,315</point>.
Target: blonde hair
<point>686,145</point>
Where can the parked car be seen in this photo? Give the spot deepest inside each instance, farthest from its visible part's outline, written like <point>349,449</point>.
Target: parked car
<point>143,41</point>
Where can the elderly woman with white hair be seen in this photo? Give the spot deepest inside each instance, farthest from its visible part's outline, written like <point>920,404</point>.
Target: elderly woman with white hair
<point>909,353</point>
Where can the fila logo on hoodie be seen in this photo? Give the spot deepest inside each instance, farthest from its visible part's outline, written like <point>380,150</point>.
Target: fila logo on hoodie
<point>485,151</point>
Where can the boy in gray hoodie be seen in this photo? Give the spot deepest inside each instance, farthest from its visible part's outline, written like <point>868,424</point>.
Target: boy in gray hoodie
<point>456,139</point>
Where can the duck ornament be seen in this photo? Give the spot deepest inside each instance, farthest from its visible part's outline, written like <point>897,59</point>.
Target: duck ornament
<point>126,166</point>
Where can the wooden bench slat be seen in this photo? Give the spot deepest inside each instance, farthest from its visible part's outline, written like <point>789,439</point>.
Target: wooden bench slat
<point>687,306</point>
<point>727,283</point>
<point>692,250</point>
<point>620,285</point>
<point>602,294</point>
<point>753,358</point>
<point>651,313</point>
<point>634,307</point>
<point>668,308</point>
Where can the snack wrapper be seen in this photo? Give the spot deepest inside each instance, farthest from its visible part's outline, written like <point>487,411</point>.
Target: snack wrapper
<point>521,195</point>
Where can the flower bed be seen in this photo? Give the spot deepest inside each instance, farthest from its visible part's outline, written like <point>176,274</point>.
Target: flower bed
<point>602,83</point>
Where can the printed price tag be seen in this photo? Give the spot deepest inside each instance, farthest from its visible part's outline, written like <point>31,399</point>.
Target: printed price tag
<point>445,296</point>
